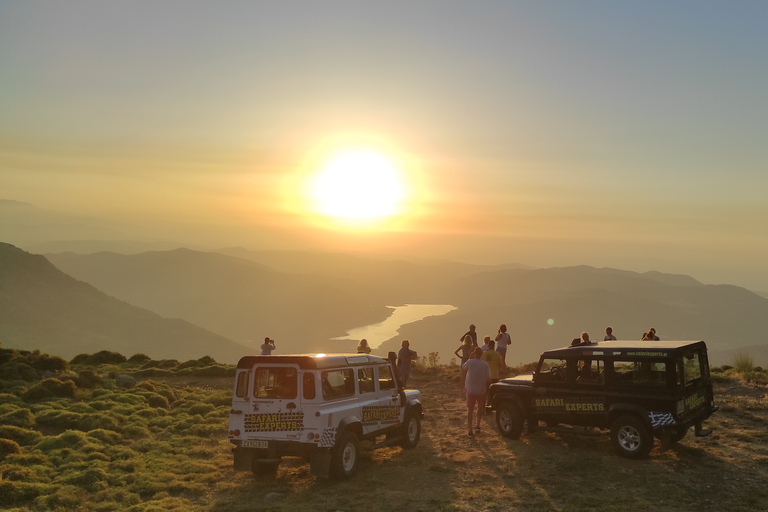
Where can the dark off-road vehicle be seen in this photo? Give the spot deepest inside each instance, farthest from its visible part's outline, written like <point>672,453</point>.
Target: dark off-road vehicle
<point>637,389</point>
<point>320,407</point>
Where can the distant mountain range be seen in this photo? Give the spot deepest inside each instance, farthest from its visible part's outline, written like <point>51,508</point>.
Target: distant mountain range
<point>43,308</point>
<point>303,299</point>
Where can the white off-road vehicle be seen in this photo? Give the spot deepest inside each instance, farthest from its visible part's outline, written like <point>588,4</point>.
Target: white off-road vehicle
<point>320,407</point>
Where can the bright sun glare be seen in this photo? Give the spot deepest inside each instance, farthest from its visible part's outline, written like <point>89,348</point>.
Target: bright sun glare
<point>358,185</point>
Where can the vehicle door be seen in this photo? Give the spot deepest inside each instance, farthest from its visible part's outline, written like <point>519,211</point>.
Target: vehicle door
<point>586,404</point>
<point>275,411</point>
<point>694,381</point>
<point>339,394</point>
<point>241,400</point>
<point>385,410</point>
<point>551,388</point>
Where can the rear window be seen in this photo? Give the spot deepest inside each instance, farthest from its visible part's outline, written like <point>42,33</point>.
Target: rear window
<point>275,383</point>
<point>338,383</point>
<point>241,388</point>
<point>691,368</point>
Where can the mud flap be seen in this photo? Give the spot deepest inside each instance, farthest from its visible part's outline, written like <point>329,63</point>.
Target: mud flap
<point>243,459</point>
<point>320,463</point>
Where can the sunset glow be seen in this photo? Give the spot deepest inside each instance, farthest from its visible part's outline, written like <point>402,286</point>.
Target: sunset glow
<point>358,184</point>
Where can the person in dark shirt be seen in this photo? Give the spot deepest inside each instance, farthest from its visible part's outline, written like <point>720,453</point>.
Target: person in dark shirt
<point>472,334</point>
<point>404,358</point>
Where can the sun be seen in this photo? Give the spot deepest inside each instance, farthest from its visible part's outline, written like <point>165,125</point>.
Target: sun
<point>358,185</point>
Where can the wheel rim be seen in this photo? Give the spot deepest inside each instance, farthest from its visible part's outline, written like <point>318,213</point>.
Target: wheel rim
<point>413,430</point>
<point>505,420</point>
<point>348,457</point>
<point>629,438</point>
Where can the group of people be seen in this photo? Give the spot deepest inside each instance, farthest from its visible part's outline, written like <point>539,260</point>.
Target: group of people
<point>480,367</point>
<point>585,340</point>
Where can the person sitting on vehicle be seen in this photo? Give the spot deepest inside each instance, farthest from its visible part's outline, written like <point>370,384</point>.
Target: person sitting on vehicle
<point>267,347</point>
<point>363,347</point>
<point>650,335</point>
<point>583,340</point>
<point>609,334</point>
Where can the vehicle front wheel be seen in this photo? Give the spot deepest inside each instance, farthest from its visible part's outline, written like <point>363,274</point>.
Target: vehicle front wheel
<point>411,430</point>
<point>509,419</point>
<point>344,456</point>
<point>630,437</point>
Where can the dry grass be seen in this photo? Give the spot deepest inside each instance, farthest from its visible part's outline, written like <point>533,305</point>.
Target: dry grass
<point>176,457</point>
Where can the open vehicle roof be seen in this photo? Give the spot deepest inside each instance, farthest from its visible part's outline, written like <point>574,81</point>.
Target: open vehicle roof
<point>628,348</point>
<point>313,361</point>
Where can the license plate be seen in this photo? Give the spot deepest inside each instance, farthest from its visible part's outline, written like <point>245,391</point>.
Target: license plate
<point>255,444</point>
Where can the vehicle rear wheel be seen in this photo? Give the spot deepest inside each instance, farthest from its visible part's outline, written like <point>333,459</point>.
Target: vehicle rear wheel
<point>411,430</point>
<point>631,437</point>
<point>344,456</point>
<point>679,435</point>
<point>510,420</point>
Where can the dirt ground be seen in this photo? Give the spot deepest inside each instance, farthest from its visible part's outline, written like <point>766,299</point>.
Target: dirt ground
<point>543,471</point>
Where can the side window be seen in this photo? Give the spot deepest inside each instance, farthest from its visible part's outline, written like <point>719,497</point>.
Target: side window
<point>590,371</point>
<point>338,383</point>
<point>365,380</point>
<point>241,388</point>
<point>275,383</point>
<point>386,381</point>
<point>308,385</point>
<point>691,368</point>
<point>551,370</point>
<point>640,373</point>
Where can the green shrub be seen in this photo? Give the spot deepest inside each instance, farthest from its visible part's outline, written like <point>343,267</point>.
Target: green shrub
<point>79,359</point>
<point>139,359</point>
<point>18,474</point>
<point>8,447</point>
<point>64,498</point>
<point>69,439</point>
<point>18,493</point>
<point>59,419</point>
<point>22,436</point>
<point>16,369</point>
<point>88,379</point>
<point>156,400</point>
<point>147,385</point>
<point>105,357</point>
<point>50,388</point>
<point>201,409</point>
<point>18,418</point>
<point>47,363</point>
<point>92,479</point>
<point>104,436</point>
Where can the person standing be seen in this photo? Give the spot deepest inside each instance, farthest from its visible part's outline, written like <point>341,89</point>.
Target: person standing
<point>502,342</point>
<point>464,353</point>
<point>472,333</point>
<point>477,381</point>
<point>609,334</point>
<point>267,347</point>
<point>404,358</point>
<point>363,347</point>
<point>493,359</point>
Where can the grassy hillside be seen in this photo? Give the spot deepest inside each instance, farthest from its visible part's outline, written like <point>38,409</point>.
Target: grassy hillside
<point>78,440</point>
<point>43,308</point>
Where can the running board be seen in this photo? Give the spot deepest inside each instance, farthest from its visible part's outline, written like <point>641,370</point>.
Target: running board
<point>580,431</point>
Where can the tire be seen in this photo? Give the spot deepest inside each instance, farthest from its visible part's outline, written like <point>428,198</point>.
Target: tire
<point>345,455</point>
<point>265,468</point>
<point>411,430</point>
<point>630,437</point>
<point>510,420</point>
<point>679,435</point>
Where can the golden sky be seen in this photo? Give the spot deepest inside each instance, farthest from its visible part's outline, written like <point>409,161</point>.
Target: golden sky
<point>550,133</point>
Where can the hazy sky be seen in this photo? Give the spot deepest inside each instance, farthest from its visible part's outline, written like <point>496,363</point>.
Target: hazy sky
<point>606,133</point>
